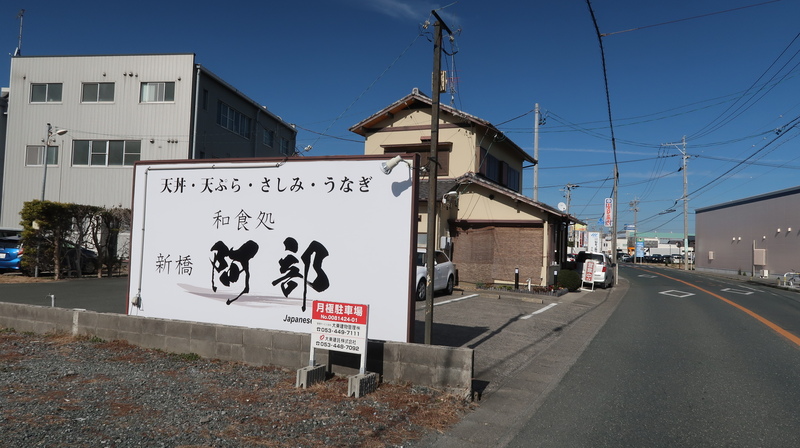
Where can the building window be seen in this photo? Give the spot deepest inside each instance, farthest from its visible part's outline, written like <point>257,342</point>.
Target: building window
<point>269,138</point>
<point>33,155</point>
<point>513,179</point>
<point>106,152</point>
<point>205,99</point>
<point>499,172</point>
<point>98,92</point>
<point>233,120</point>
<point>157,92</point>
<point>285,150</point>
<point>46,93</point>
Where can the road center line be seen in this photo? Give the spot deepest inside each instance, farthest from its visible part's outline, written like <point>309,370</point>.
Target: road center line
<point>528,316</point>
<point>763,320</point>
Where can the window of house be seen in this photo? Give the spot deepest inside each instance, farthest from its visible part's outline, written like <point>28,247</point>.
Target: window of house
<point>106,152</point>
<point>46,93</point>
<point>269,138</point>
<point>513,179</point>
<point>233,120</point>
<point>34,155</point>
<point>205,99</point>
<point>97,92</point>
<point>157,92</point>
<point>499,172</point>
<point>285,150</point>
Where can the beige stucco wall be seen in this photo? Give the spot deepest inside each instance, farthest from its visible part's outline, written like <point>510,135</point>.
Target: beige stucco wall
<point>410,126</point>
<point>508,233</point>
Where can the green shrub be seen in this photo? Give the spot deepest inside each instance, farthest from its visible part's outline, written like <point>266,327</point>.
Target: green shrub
<point>569,279</point>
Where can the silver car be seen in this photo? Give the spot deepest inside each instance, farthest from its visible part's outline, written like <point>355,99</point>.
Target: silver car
<point>444,274</point>
<point>603,274</point>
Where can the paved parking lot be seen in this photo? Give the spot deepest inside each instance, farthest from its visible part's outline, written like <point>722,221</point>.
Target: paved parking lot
<point>505,329</point>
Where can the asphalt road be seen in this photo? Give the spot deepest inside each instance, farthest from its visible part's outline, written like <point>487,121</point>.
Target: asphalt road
<point>679,364</point>
<point>105,295</point>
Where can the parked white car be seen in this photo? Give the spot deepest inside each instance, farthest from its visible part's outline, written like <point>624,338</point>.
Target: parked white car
<point>603,274</point>
<point>444,274</point>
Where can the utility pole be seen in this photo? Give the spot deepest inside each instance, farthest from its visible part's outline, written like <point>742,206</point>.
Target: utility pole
<point>433,166</point>
<point>684,156</point>
<point>536,153</point>
<point>614,208</point>
<point>635,208</point>
<point>568,194</point>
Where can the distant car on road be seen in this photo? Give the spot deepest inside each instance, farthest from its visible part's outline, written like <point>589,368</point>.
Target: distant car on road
<point>444,274</point>
<point>603,273</point>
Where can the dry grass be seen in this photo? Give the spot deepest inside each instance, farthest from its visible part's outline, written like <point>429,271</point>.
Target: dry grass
<point>263,406</point>
<point>16,277</point>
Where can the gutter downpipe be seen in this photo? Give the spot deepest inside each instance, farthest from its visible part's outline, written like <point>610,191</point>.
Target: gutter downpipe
<point>196,111</point>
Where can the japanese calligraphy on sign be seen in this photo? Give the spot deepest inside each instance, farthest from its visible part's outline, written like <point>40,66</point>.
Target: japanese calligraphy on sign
<point>256,243</point>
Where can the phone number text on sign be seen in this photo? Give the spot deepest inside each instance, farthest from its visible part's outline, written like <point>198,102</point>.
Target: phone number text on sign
<point>339,326</point>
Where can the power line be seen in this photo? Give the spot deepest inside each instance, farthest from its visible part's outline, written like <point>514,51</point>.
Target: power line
<point>688,18</point>
<point>324,133</point>
<point>611,128</point>
<point>711,126</point>
<point>789,126</point>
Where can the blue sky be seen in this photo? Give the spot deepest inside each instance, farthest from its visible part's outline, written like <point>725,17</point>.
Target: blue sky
<point>722,73</point>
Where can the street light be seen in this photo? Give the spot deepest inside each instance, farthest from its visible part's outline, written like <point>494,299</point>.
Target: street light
<point>50,132</point>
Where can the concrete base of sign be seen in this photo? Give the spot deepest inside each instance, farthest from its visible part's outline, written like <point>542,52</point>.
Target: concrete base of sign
<point>308,376</point>
<point>362,384</point>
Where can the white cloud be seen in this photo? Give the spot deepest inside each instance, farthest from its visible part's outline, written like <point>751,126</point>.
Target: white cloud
<point>395,8</point>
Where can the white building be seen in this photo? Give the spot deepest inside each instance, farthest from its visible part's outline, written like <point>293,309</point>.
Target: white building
<point>116,110</point>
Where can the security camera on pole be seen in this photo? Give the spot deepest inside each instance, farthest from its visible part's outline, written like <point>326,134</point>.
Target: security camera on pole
<point>46,151</point>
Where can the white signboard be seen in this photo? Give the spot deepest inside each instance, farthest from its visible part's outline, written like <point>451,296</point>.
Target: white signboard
<point>340,326</point>
<point>255,243</point>
<point>593,244</point>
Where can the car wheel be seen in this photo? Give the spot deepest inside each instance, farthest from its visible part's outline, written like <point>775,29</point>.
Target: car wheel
<point>421,290</point>
<point>449,289</point>
<point>88,268</point>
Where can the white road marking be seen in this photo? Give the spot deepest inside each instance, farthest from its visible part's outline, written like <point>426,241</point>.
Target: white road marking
<point>678,294</point>
<point>528,316</point>
<point>456,300</point>
<point>737,291</point>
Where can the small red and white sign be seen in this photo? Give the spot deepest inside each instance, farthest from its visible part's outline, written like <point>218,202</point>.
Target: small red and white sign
<point>588,271</point>
<point>608,212</point>
<point>339,326</point>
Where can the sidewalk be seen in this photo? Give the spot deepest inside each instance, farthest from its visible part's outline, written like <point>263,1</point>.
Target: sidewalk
<point>522,349</point>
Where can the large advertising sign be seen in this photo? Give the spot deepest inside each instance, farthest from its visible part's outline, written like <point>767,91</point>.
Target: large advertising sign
<point>254,243</point>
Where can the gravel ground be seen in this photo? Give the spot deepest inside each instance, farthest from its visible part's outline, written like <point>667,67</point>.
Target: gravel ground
<point>57,391</point>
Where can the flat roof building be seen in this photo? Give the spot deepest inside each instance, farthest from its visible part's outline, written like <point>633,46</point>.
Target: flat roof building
<point>758,235</point>
<point>101,114</point>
